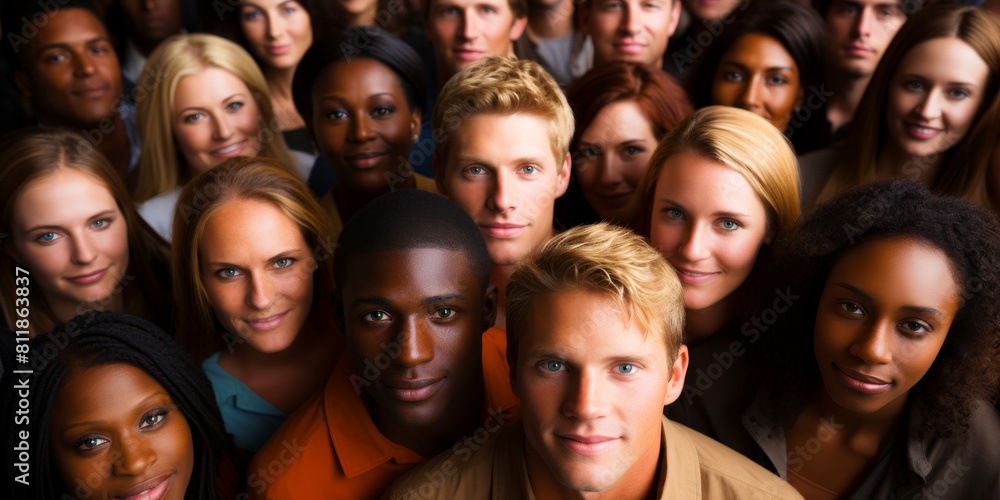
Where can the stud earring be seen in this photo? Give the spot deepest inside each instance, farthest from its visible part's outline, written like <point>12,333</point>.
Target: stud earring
<point>416,137</point>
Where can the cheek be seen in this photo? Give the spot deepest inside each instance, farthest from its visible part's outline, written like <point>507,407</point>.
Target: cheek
<point>739,255</point>
<point>664,236</point>
<point>587,172</point>
<point>634,169</point>
<point>226,299</point>
<point>723,93</point>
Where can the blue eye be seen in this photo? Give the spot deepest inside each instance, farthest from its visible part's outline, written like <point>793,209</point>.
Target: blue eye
<point>529,169</point>
<point>553,366</point>
<point>673,213</point>
<point>228,273</point>
<point>234,105</point>
<point>284,262</point>
<point>47,237</point>
<point>729,224</point>
<point>625,368</point>
<point>632,150</point>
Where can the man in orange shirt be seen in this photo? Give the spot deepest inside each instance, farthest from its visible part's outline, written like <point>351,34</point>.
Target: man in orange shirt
<point>418,378</point>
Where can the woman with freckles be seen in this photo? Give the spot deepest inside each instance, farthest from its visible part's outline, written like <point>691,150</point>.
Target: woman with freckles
<point>68,222</point>
<point>931,112</point>
<point>253,264</point>
<point>118,410</point>
<point>882,374</point>
<point>719,190</point>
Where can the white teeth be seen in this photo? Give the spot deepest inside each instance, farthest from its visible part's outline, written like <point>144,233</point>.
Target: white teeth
<point>923,130</point>
<point>696,275</point>
<point>229,149</point>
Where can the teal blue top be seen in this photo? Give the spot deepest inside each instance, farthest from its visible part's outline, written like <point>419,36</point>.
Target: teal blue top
<point>248,417</point>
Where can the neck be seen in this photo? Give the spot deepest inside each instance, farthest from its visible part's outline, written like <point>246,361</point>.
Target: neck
<point>894,162</point>
<point>461,420</point>
<point>551,21</point>
<point>350,200</point>
<point>699,324</point>
<point>67,310</point>
<point>847,93</point>
<point>279,82</point>
<point>500,276</point>
<point>875,428</point>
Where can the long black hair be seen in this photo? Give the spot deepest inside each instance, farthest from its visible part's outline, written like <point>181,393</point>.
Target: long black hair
<point>97,339</point>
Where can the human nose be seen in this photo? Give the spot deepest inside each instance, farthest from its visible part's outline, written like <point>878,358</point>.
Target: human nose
<point>863,24</point>
<point>85,64</point>
<point>585,400</point>
<point>470,26</point>
<point>134,456</point>
<point>361,130</point>
<point>415,344</point>
<point>261,292</point>
<point>83,250</point>
<point>501,199</point>
<point>223,129</point>
<point>608,171</point>
<point>275,27</point>
<point>750,96</point>
<point>630,22</point>
<point>930,106</point>
<point>874,347</point>
<point>696,246</point>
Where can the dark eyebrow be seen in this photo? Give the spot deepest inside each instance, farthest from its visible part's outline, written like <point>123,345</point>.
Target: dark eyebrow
<point>64,45</point>
<point>447,297</point>
<point>373,301</point>
<point>868,297</point>
<point>772,68</point>
<point>91,422</point>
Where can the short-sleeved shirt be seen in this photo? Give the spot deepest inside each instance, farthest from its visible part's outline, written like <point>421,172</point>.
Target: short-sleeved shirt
<point>330,447</point>
<point>248,417</point>
<point>692,466</point>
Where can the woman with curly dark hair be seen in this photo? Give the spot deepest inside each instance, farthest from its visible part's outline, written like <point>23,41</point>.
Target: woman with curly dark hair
<point>117,410</point>
<point>886,398</point>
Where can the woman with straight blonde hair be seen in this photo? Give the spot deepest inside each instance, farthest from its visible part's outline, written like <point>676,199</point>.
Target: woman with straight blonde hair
<point>931,111</point>
<point>253,260</point>
<point>720,189</point>
<point>72,240</point>
<point>206,101</point>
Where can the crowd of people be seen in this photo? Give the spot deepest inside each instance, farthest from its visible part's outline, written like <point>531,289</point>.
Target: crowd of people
<point>506,249</point>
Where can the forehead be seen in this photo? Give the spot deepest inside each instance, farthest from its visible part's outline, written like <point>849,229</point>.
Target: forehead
<point>586,327</point>
<point>697,181</point>
<point>759,50</point>
<point>946,59</point>
<point>67,26</point>
<point>61,196</point>
<point>503,139</point>
<point>249,230</point>
<point>102,393</point>
<point>356,77</point>
<point>900,271</point>
<point>209,86</point>
<point>410,274</point>
<point>618,120</point>
<point>502,5</point>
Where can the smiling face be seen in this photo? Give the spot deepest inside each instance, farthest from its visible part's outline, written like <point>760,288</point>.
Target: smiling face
<point>362,123</point>
<point>68,231</point>
<point>757,74</point>
<point>859,32</point>
<point>502,171</point>
<point>278,32</point>
<point>935,96</point>
<point>71,74</point>
<point>425,310</point>
<point>630,30</point>
<point>592,392</point>
<point>464,31</point>
<point>258,273</point>
<point>709,224</point>
<point>115,433</point>
<point>215,118</point>
<point>611,159</point>
<point>882,318</point>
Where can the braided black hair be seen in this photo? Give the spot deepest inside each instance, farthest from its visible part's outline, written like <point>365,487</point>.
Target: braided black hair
<point>103,338</point>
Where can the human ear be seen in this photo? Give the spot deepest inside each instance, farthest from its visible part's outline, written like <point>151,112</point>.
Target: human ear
<point>490,306</point>
<point>677,373</point>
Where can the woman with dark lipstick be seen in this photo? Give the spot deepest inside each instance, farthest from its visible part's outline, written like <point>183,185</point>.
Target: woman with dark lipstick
<point>252,258</point>
<point>362,108</point>
<point>117,410</point>
<point>931,111</point>
<point>71,237</point>
<point>882,373</point>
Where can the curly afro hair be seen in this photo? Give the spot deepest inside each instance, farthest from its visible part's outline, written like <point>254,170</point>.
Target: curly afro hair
<point>965,369</point>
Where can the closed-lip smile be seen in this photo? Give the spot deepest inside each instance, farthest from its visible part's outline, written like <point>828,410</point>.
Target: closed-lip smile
<point>152,489</point>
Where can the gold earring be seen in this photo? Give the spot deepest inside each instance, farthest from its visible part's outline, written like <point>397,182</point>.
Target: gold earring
<point>416,137</point>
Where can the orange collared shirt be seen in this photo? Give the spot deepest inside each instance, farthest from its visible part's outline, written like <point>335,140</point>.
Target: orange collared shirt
<point>331,448</point>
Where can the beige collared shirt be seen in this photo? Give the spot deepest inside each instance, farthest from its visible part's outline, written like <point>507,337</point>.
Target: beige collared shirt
<point>693,466</point>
